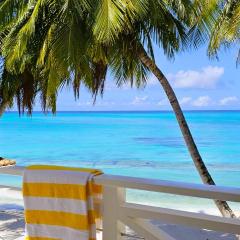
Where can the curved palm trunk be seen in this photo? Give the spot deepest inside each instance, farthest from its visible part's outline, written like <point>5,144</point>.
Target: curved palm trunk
<point>197,159</point>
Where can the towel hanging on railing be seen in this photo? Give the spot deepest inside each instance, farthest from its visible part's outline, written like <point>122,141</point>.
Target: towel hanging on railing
<point>59,203</point>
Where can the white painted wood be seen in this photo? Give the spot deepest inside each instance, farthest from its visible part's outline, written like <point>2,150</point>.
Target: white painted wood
<point>12,170</point>
<point>145,229</point>
<point>198,220</point>
<point>116,209</point>
<point>112,199</point>
<point>179,188</point>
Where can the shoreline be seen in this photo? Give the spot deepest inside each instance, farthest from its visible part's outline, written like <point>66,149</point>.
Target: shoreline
<point>134,111</point>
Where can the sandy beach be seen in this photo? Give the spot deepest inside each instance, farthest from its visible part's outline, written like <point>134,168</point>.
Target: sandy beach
<point>11,225</point>
<point>11,214</point>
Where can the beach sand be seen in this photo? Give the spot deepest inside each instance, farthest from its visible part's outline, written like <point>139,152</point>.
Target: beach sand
<point>11,224</point>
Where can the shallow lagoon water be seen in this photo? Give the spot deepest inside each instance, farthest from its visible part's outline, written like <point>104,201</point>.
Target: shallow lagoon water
<point>141,144</point>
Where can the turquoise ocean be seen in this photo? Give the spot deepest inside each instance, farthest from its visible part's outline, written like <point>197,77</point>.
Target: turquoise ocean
<point>138,144</point>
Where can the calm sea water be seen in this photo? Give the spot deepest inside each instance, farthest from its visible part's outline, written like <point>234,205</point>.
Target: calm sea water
<point>142,144</point>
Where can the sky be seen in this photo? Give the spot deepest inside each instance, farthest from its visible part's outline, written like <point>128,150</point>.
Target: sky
<point>200,83</point>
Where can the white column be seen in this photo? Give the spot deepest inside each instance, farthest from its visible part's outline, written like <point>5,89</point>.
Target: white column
<point>113,197</point>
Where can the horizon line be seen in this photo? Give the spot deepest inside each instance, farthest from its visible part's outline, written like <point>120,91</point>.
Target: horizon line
<point>106,111</point>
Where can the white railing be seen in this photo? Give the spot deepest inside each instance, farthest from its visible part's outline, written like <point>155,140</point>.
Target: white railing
<point>118,213</point>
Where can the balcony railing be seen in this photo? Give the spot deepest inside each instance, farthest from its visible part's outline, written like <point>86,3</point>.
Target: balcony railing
<point>118,213</point>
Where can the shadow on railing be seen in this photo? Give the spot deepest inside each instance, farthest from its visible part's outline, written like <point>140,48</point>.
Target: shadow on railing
<point>118,213</point>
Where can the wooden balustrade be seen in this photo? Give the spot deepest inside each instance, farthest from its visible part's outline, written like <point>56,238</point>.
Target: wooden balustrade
<point>118,213</point>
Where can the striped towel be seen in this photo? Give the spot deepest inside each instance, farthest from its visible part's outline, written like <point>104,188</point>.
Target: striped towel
<point>59,203</point>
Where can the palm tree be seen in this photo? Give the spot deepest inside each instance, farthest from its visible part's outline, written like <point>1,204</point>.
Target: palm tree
<point>226,30</point>
<point>49,44</point>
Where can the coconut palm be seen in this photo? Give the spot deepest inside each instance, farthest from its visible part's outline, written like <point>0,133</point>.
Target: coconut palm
<point>226,30</point>
<point>51,44</point>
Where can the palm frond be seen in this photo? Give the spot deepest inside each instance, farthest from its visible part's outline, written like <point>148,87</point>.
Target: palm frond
<point>227,27</point>
<point>109,20</point>
<point>10,10</point>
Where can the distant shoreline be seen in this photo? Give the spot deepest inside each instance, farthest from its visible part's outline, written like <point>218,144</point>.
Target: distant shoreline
<point>132,111</point>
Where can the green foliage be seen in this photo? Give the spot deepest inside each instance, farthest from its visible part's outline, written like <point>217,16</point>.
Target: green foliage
<point>46,45</point>
<point>226,29</point>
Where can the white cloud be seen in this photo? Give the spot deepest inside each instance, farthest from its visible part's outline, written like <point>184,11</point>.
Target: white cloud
<point>202,101</point>
<point>139,100</point>
<point>185,100</point>
<point>228,100</point>
<point>206,78</point>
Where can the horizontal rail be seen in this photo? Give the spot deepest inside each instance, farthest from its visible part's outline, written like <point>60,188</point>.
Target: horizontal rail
<point>12,170</point>
<point>198,220</point>
<point>155,185</point>
<point>172,187</point>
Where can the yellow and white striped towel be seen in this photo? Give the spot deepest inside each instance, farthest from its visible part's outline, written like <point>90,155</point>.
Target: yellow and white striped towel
<point>59,203</point>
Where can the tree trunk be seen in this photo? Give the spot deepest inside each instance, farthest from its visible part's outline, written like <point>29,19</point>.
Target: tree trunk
<point>192,148</point>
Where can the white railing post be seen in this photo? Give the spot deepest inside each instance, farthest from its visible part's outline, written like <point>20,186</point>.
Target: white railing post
<point>113,197</point>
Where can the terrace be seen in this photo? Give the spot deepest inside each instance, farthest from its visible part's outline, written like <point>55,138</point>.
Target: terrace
<point>118,213</point>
